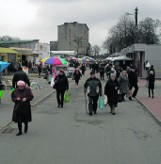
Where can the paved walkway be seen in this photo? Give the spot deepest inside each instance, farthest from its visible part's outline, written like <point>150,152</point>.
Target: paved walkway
<point>153,105</point>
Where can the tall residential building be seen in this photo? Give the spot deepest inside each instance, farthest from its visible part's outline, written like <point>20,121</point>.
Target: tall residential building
<point>73,37</point>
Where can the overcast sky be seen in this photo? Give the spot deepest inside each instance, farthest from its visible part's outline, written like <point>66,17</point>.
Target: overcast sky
<point>38,19</point>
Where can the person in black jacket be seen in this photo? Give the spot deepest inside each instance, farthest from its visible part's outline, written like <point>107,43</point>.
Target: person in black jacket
<point>151,81</point>
<point>61,85</point>
<point>20,75</point>
<point>111,89</point>
<point>133,82</point>
<point>93,88</point>
<point>77,75</point>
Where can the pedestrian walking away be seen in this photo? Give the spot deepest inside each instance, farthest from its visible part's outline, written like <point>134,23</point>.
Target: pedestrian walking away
<point>93,88</point>
<point>151,80</point>
<point>22,96</point>
<point>133,82</point>
<point>20,75</point>
<point>77,75</point>
<point>61,85</point>
<point>111,91</point>
<point>83,68</point>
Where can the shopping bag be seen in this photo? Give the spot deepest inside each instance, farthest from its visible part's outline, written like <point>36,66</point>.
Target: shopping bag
<point>66,97</point>
<point>1,93</point>
<point>105,100</point>
<point>147,84</point>
<point>52,82</point>
<point>100,103</point>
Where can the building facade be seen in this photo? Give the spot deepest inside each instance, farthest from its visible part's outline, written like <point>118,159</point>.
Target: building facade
<point>73,37</point>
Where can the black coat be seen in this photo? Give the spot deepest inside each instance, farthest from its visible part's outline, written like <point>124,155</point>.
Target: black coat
<point>111,92</point>
<point>133,78</point>
<point>151,80</point>
<point>77,76</point>
<point>22,110</point>
<point>20,75</point>
<point>61,83</point>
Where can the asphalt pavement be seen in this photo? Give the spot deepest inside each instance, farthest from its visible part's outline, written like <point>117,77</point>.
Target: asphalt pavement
<point>70,136</point>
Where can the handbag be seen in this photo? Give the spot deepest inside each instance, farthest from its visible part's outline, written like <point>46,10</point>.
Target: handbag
<point>105,100</point>
<point>66,97</point>
<point>129,93</point>
<point>100,103</point>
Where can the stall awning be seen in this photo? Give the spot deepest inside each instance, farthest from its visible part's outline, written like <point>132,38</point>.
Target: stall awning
<point>23,51</point>
<point>119,58</point>
<point>7,51</point>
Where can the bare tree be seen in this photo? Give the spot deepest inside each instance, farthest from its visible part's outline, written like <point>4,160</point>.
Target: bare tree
<point>125,33</point>
<point>78,43</point>
<point>96,50</point>
<point>148,31</point>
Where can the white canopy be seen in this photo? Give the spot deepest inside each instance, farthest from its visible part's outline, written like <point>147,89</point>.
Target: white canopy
<point>119,58</point>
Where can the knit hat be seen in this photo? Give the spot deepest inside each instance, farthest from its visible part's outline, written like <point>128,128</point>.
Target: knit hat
<point>21,83</point>
<point>113,74</point>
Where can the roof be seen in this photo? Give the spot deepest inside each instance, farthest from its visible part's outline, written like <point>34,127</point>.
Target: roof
<point>7,51</point>
<point>18,41</point>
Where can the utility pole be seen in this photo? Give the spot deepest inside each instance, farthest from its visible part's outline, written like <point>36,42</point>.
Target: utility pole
<point>136,17</point>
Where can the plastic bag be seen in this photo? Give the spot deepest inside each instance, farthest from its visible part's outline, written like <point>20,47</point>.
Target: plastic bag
<point>1,93</point>
<point>100,103</point>
<point>105,100</point>
<point>66,97</point>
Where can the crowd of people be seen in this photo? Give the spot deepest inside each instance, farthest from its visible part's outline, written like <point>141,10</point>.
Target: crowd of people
<point>120,81</point>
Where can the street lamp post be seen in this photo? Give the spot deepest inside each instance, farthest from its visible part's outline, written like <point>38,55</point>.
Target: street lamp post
<point>136,23</point>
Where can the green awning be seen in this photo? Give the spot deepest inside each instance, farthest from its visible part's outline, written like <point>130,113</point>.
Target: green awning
<point>7,51</point>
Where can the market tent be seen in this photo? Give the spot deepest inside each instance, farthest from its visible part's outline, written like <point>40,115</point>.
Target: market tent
<point>119,58</point>
<point>3,65</point>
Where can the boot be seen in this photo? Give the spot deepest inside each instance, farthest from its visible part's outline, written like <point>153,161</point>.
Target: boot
<point>113,110</point>
<point>20,129</point>
<point>26,128</point>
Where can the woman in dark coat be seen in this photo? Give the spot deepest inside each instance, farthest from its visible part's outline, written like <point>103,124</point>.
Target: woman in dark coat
<point>151,81</point>
<point>77,75</point>
<point>61,85</point>
<point>83,68</point>
<point>22,96</point>
<point>111,89</point>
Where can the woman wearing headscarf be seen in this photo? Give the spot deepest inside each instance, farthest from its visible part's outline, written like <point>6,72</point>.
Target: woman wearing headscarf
<point>111,89</point>
<point>77,75</point>
<point>61,85</point>
<point>22,96</point>
<point>124,83</point>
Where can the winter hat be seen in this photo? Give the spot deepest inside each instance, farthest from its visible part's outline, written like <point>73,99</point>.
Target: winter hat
<point>92,73</point>
<point>113,74</point>
<point>21,83</point>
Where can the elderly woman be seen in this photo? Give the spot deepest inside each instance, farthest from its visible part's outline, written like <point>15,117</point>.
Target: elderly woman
<point>111,89</point>
<point>124,83</point>
<point>77,75</point>
<point>22,96</point>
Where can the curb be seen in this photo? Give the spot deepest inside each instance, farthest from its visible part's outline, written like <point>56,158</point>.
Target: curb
<point>157,120</point>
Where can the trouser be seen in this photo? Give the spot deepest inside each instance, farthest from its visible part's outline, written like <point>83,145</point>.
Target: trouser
<point>135,90</point>
<point>151,91</point>
<point>20,126</point>
<point>60,97</point>
<point>123,95</point>
<point>102,75</point>
<point>92,106</point>
<point>77,81</point>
